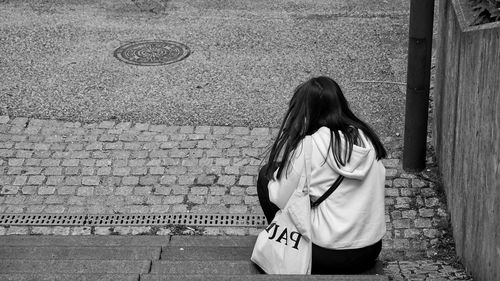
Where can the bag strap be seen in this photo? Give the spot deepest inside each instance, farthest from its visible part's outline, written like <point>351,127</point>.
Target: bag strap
<point>328,192</point>
<point>307,158</point>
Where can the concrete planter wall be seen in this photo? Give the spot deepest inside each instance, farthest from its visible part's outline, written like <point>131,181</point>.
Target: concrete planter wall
<point>467,134</point>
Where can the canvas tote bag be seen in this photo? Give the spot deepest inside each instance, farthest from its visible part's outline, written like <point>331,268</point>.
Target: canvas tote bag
<point>285,247</point>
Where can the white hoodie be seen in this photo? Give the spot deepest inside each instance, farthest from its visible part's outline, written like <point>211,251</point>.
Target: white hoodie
<point>353,216</point>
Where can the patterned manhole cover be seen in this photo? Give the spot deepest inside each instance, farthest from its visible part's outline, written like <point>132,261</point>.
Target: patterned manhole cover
<point>152,52</point>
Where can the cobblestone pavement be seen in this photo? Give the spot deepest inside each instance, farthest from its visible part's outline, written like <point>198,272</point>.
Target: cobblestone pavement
<point>424,270</point>
<point>49,166</point>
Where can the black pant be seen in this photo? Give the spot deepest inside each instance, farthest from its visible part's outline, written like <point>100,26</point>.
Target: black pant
<point>324,261</point>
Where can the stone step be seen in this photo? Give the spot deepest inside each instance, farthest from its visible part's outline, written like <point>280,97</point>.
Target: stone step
<point>121,258</point>
<point>205,267</point>
<point>172,253</point>
<point>66,277</point>
<point>213,241</point>
<point>75,266</point>
<point>262,277</point>
<point>78,240</point>
<point>79,253</point>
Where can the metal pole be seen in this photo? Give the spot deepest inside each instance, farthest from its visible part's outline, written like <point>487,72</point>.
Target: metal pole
<point>418,84</point>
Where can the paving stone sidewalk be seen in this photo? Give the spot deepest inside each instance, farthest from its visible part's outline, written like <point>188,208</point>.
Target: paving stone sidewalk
<point>55,167</point>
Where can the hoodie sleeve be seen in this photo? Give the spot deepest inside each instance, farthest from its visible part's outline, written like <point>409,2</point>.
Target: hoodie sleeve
<point>280,190</point>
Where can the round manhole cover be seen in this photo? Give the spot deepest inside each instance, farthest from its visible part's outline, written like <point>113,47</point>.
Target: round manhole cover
<point>152,52</point>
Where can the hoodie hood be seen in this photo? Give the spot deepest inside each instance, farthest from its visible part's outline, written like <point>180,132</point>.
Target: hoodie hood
<point>361,159</point>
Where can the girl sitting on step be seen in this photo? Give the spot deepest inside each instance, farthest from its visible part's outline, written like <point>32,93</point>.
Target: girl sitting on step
<point>348,226</point>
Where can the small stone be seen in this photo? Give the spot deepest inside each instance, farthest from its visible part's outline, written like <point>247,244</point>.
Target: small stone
<point>121,171</point>
<point>392,192</point>
<point>90,180</point>
<point>431,202</point>
<point>432,233</point>
<point>428,192</point>
<point>199,190</point>
<point>418,183</point>
<point>17,230</point>
<point>411,233</point>
<point>164,231</point>
<point>202,130</point>
<point>234,231</point>
<point>186,129</point>
<point>143,190</point>
<point>61,230</point>
<point>20,180</point>
<point>391,173</point>
<point>406,191</point>
<point>122,230</point>
<point>124,190</point>
<point>401,183</point>
<point>46,190</point>
<point>42,230</point>
<point>246,180</point>
<point>251,200</point>
<point>29,189</point>
<point>426,213</point>
<point>104,171</point>
<point>4,119</point>
<point>212,231</point>
<point>423,223</point>
<point>401,223</point>
<point>102,230</point>
<point>53,171</point>
<point>131,180</point>
<point>195,199</point>
<point>85,191</point>
<point>240,131</point>
<point>81,230</point>
<point>36,180</point>
<point>163,190</point>
<point>409,214</point>
<point>15,162</point>
<point>88,171</point>
<point>391,163</point>
<point>260,132</point>
<point>235,190</point>
<point>156,170</point>
<point>167,180</point>
<point>70,162</point>
<point>54,180</point>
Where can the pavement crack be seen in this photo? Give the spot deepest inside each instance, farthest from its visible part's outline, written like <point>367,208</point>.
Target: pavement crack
<point>149,269</point>
<point>161,252</point>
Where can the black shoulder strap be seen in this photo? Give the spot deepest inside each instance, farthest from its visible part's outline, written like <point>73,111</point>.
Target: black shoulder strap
<point>328,192</point>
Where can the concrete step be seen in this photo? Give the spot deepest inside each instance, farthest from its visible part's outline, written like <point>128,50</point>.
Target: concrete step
<point>79,253</point>
<point>262,277</point>
<point>74,266</point>
<point>213,241</point>
<point>67,277</point>
<point>110,258</point>
<point>172,253</point>
<point>90,240</point>
<point>205,267</point>
<point>217,266</point>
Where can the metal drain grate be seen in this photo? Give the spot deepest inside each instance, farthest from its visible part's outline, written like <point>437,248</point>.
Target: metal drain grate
<point>41,219</point>
<point>133,220</point>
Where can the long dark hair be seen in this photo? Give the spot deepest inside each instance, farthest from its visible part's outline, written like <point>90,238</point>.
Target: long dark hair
<point>319,102</point>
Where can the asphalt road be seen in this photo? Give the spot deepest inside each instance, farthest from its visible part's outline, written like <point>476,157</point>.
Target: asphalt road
<point>246,58</point>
